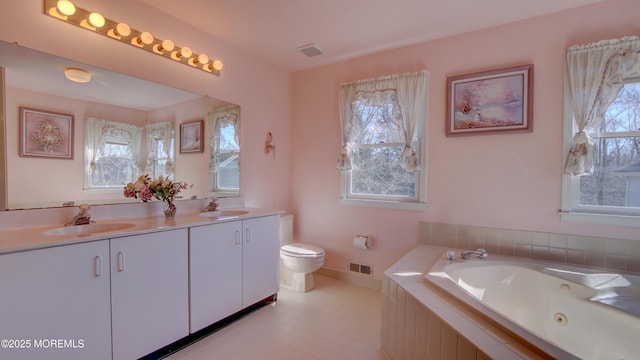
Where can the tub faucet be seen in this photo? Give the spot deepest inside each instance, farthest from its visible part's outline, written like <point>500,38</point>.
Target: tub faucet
<point>83,217</point>
<point>466,255</point>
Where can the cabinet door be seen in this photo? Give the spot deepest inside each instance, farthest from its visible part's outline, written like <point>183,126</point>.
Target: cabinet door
<point>215,272</point>
<point>261,255</point>
<point>54,303</point>
<point>149,292</point>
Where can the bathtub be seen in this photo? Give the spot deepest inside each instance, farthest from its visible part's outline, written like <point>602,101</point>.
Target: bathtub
<point>588,314</point>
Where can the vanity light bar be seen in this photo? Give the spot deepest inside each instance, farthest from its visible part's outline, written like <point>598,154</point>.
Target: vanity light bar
<point>66,11</point>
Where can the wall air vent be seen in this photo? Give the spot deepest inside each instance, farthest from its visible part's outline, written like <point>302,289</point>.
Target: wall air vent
<point>310,50</point>
<point>361,268</point>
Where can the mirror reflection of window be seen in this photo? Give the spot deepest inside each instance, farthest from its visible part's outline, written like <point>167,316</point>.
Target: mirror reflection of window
<point>112,153</point>
<point>160,149</point>
<point>114,165</point>
<point>225,151</point>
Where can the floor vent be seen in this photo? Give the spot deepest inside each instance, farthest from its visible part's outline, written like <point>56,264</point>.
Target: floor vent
<point>361,268</point>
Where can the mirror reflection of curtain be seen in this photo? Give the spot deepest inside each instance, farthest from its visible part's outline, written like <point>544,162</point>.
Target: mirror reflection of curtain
<point>113,153</point>
<point>160,149</point>
<point>224,142</point>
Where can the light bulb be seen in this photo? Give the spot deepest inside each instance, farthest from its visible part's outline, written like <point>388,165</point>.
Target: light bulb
<point>201,59</point>
<point>145,38</point>
<point>66,7</point>
<point>186,52</point>
<point>96,19</point>
<point>217,65</point>
<point>123,29</point>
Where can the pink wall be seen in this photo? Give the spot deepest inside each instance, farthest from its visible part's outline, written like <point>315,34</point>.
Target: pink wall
<point>506,181</point>
<point>262,90</point>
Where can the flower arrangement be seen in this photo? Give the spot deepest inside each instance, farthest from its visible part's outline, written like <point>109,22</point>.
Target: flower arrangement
<point>162,188</point>
<point>48,135</point>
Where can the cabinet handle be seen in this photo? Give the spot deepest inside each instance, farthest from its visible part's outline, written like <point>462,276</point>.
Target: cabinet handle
<point>247,234</point>
<point>120,261</point>
<point>238,242</point>
<point>97,266</point>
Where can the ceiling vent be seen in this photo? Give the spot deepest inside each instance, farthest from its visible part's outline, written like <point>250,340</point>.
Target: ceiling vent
<point>310,50</point>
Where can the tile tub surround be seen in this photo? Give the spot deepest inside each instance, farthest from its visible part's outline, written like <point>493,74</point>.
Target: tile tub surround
<point>597,252</point>
<point>421,322</point>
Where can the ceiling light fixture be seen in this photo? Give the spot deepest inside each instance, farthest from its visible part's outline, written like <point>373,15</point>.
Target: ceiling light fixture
<point>66,11</point>
<point>77,75</point>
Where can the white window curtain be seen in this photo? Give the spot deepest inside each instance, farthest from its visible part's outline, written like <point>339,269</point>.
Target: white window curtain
<point>163,133</point>
<point>98,132</point>
<point>410,105</point>
<point>217,120</point>
<point>595,74</point>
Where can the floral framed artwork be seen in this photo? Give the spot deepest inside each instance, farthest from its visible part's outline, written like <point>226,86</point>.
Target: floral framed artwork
<point>191,137</point>
<point>45,134</point>
<point>490,101</point>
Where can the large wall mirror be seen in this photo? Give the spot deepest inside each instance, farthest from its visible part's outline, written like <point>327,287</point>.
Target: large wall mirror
<point>49,158</point>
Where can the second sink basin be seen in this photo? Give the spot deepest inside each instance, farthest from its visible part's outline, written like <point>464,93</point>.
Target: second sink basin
<point>85,230</point>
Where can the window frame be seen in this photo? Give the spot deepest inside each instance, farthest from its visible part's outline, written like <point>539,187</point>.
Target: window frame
<point>416,203</point>
<point>572,210</point>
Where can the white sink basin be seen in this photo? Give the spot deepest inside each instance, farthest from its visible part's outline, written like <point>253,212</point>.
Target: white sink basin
<point>85,230</point>
<point>223,213</point>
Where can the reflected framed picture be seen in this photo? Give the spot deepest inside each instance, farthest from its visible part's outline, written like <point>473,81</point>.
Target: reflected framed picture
<point>490,101</point>
<point>45,134</point>
<point>192,137</point>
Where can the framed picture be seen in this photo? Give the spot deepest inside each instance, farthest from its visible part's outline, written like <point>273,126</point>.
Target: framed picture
<point>46,134</point>
<point>490,101</point>
<point>191,137</point>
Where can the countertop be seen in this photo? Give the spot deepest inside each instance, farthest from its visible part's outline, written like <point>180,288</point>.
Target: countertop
<point>32,238</point>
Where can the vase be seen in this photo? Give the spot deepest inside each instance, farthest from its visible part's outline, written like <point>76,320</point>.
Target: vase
<point>169,209</point>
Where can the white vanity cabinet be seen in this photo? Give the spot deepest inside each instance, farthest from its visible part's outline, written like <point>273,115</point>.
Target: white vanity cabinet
<point>54,303</point>
<point>149,292</point>
<point>260,258</point>
<point>233,265</point>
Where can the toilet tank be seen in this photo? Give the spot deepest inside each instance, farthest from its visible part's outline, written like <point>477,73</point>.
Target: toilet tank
<point>286,229</point>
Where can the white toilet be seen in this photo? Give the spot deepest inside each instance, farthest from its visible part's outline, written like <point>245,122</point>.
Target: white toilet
<point>298,261</point>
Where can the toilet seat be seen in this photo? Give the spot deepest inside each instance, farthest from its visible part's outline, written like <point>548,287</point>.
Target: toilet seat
<point>300,250</point>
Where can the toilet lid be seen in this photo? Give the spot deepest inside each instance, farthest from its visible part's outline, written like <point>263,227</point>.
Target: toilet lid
<point>301,250</point>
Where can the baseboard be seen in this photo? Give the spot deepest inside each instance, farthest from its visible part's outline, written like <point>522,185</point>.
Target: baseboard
<point>355,279</point>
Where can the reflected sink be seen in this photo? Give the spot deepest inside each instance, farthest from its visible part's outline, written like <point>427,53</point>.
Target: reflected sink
<point>224,213</point>
<point>86,230</point>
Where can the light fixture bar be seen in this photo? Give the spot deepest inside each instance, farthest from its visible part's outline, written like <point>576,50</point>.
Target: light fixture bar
<point>93,21</point>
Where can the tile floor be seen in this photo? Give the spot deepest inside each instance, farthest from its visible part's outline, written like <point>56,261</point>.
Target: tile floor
<point>336,320</point>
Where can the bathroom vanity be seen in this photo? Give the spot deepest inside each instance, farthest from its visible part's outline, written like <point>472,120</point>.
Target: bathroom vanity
<point>126,293</point>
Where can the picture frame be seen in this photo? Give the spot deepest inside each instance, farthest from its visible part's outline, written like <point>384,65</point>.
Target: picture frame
<point>46,134</point>
<point>192,137</point>
<point>494,101</point>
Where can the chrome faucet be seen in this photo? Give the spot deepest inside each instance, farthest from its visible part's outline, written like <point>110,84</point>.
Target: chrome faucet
<point>466,255</point>
<point>83,217</point>
<point>213,205</point>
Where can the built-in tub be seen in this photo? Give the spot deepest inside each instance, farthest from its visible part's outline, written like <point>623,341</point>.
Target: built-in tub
<point>585,312</point>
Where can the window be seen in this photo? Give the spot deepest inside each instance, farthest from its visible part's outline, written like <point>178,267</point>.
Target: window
<point>614,182</point>
<point>160,149</point>
<point>383,121</point>
<point>225,151</point>
<point>602,133</point>
<point>112,153</point>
